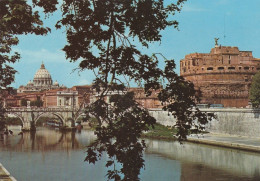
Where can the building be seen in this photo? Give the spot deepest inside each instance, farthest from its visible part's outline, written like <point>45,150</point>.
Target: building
<point>67,98</point>
<point>42,81</point>
<point>222,76</point>
<point>85,93</point>
<point>148,102</point>
<point>45,93</point>
<point>50,98</point>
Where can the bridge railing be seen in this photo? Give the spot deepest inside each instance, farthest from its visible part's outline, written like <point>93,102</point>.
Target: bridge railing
<point>48,109</point>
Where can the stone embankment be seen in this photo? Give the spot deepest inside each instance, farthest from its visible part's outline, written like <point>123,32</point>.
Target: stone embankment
<point>237,128</point>
<point>5,175</point>
<point>232,121</point>
<point>228,141</point>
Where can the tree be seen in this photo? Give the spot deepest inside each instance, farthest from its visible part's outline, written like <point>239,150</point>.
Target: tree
<point>254,92</point>
<point>38,102</point>
<point>105,35</point>
<point>24,102</point>
<point>16,18</point>
<point>102,34</point>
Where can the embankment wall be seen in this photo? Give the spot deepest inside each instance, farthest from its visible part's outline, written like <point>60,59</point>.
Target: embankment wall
<point>233,121</point>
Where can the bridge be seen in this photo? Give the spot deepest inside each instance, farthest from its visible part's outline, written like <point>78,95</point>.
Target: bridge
<point>239,121</point>
<point>29,116</point>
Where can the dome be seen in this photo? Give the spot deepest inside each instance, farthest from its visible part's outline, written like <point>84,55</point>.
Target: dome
<point>56,83</point>
<point>42,73</point>
<point>42,77</point>
<point>30,83</point>
<point>42,81</point>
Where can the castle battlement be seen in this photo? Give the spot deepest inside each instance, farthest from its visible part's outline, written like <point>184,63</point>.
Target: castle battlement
<point>222,76</point>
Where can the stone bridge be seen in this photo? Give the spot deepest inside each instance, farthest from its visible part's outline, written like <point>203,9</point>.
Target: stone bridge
<point>30,116</point>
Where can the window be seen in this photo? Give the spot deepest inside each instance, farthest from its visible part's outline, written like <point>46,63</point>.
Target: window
<point>231,68</point>
<point>210,68</point>
<point>220,68</point>
<point>246,78</point>
<point>246,68</point>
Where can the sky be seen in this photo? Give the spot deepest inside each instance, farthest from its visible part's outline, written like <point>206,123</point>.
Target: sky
<point>234,22</point>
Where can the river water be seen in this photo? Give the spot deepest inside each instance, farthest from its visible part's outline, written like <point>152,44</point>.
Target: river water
<point>50,155</point>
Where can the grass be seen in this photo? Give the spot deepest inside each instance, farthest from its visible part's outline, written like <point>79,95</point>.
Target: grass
<point>160,132</point>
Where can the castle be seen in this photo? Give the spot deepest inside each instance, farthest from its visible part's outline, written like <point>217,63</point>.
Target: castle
<point>222,76</point>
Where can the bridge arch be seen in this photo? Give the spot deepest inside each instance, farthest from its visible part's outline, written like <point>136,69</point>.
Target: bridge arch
<point>78,116</point>
<point>17,115</point>
<point>60,117</point>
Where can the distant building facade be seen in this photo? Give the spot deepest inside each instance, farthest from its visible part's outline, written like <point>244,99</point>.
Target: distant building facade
<point>67,98</point>
<point>222,76</point>
<point>148,102</point>
<point>85,93</point>
<point>42,81</point>
<point>49,94</point>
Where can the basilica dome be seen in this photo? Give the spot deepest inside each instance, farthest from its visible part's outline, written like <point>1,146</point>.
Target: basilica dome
<point>42,73</point>
<point>42,77</point>
<point>42,81</point>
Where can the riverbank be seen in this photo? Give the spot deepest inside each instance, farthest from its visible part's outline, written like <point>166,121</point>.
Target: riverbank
<point>5,175</point>
<point>228,141</point>
<point>161,132</point>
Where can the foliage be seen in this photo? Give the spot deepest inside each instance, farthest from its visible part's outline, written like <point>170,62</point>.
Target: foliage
<point>38,102</point>
<point>161,132</point>
<point>2,110</point>
<point>24,102</point>
<point>42,120</point>
<point>179,98</point>
<point>17,18</point>
<point>110,28</point>
<point>254,95</point>
<point>2,120</point>
<point>119,138</point>
<point>102,35</point>
<point>13,121</point>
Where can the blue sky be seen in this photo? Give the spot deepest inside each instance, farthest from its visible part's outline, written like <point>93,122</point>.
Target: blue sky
<point>200,22</point>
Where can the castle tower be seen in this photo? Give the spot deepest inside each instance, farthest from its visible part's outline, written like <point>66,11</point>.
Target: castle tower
<point>222,76</point>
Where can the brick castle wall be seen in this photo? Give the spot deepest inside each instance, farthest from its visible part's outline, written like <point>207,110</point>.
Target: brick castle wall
<point>222,76</point>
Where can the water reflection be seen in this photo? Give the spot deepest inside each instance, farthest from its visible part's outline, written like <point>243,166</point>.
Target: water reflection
<point>44,140</point>
<point>197,158</point>
<point>61,156</point>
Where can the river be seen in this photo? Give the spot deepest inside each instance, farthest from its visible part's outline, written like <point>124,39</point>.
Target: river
<point>50,155</point>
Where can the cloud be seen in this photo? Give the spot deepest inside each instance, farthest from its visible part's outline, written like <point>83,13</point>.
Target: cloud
<point>84,82</point>
<point>57,56</point>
